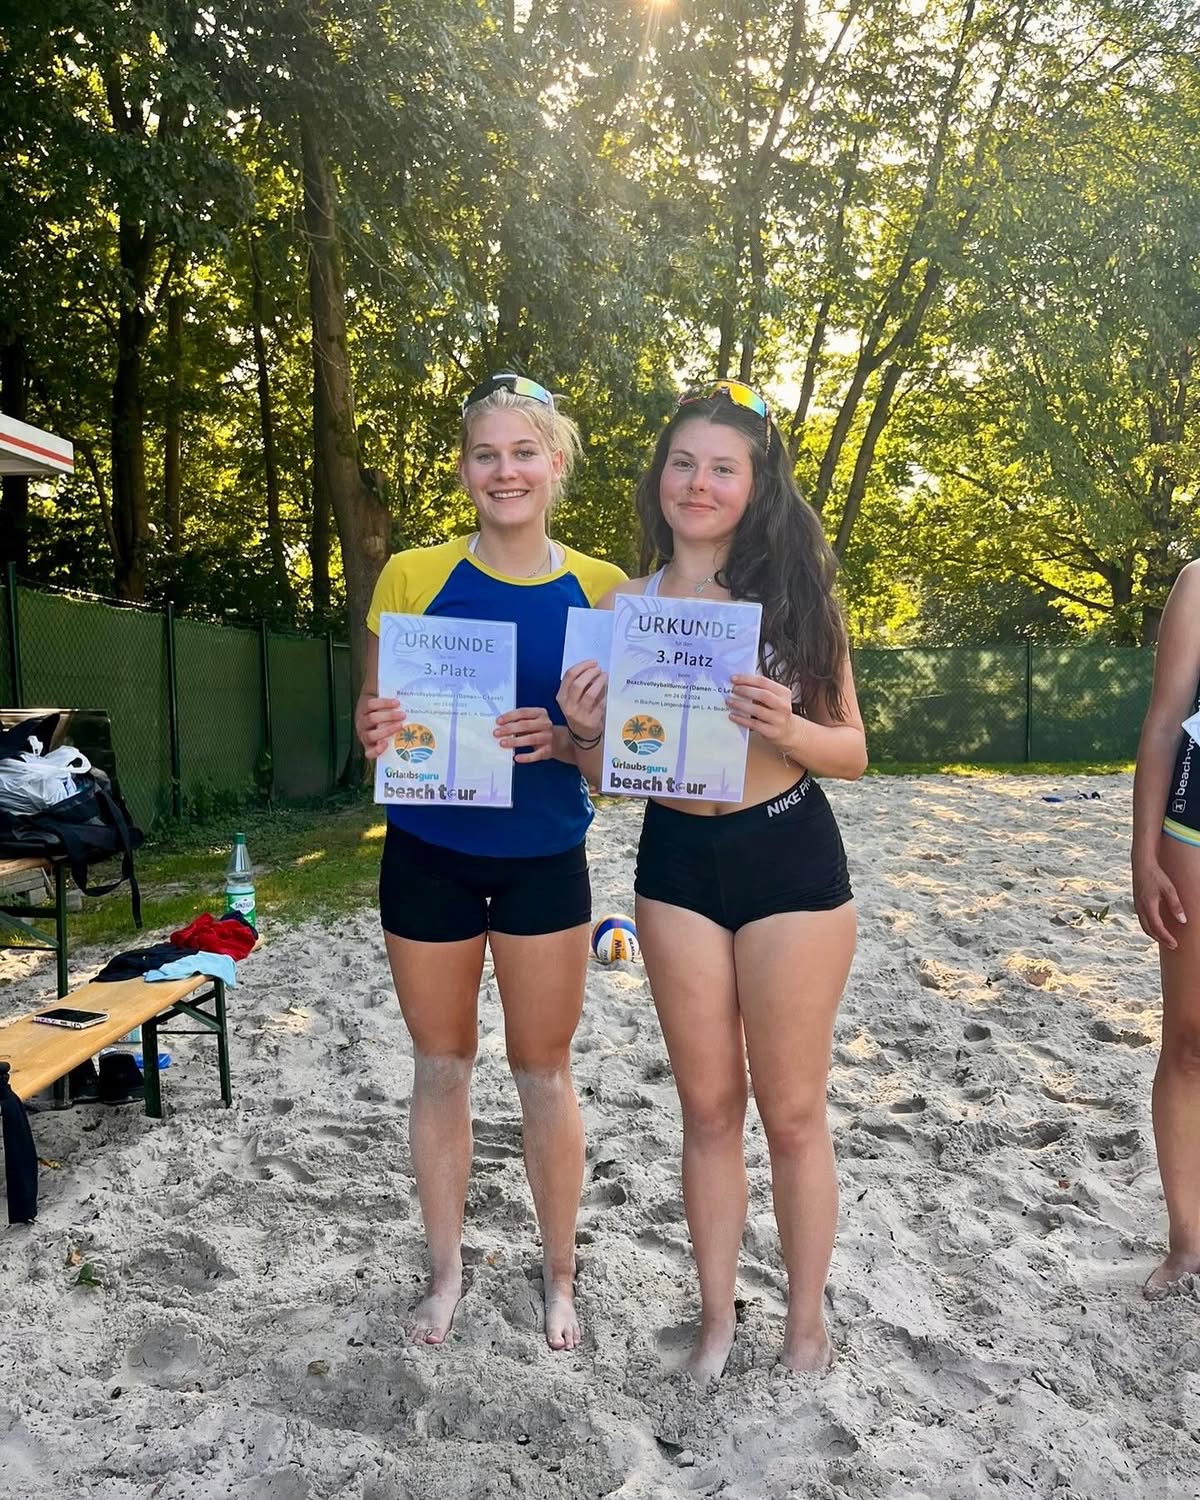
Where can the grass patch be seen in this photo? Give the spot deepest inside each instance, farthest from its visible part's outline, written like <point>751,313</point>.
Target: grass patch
<point>1056,768</point>
<point>320,859</point>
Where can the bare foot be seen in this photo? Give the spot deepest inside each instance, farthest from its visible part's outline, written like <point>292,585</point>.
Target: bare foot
<point>433,1315</point>
<point>807,1351</point>
<point>707,1360</point>
<point>1176,1268</point>
<point>563,1330</point>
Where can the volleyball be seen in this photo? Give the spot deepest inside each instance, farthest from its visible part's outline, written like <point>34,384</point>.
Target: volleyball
<point>614,938</point>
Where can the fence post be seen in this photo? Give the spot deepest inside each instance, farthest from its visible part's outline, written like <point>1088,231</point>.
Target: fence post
<point>264,654</point>
<point>14,638</point>
<point>173,716</point>
<point>1028,700</point>
<point>331,679</point>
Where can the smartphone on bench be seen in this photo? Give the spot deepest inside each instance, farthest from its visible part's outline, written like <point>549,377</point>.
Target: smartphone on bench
<point>77,1020</point>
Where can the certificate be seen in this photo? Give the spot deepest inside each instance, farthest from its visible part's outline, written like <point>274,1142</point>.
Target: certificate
<point>452,678</point>
<point>588,637</point>
<point>667,731</point>
<point>1192,727</point>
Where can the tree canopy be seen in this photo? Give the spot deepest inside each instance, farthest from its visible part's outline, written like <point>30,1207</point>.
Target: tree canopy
<point>252,254</point>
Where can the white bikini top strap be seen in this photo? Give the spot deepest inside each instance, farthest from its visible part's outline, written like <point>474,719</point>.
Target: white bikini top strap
<point>652,583</point>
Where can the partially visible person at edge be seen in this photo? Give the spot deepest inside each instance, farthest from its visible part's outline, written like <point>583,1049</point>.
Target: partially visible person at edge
<point>453,880</point>
<point>744,912</point>
<point>1166,892</point>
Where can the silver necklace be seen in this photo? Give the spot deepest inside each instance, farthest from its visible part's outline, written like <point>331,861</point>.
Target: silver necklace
<point>545,567</point>
<point>698,588</point>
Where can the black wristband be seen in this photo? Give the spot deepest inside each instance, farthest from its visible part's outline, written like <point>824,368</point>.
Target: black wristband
<point>584,744</point>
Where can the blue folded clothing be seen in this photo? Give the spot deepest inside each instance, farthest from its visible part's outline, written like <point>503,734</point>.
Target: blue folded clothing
<point>219,965</point>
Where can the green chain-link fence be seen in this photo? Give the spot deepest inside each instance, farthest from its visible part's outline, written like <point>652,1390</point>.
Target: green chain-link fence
<point>993,705</point>
<point>202,713</point>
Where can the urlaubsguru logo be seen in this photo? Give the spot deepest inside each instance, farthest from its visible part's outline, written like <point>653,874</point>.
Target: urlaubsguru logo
<point>414,744</point>
<point>643,735</point>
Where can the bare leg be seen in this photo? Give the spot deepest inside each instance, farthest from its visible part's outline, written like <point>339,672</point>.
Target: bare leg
<point>690,963</point>
<point>438,988</point>
<point>1177,1080</point>
<point>541,981</point>
<point>791,970</point>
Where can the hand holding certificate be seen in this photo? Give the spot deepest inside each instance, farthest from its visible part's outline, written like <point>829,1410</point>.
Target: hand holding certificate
<point>453,679</point>
<point>667,731</point>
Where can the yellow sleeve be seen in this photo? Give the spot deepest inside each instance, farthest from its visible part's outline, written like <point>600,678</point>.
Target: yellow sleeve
<point>391,592</point>
<point>410,580</point>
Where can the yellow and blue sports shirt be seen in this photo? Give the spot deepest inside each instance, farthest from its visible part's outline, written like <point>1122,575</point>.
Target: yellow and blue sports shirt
<point>551,809</point>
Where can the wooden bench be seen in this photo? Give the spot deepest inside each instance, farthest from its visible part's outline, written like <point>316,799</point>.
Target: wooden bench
<point>34,1056</point>
<point>10,872</point>
<point>40,1056</point>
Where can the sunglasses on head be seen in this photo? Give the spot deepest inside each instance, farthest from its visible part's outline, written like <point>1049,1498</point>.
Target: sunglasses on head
<point>518,385</point>
<point>736,392</point>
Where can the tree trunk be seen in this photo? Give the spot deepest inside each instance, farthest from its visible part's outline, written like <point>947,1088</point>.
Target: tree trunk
<point>320,530</point>
<point>131,511</point>
<point>173,433</point>
<point>880,413</point>
<point>362,519</point>
<point>279,573</point>
<point>14,496</point>
<point>1119,577</point>
<point>758,287</point>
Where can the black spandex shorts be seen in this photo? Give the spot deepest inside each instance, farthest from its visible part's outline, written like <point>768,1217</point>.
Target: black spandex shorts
<point>782,855</point>
<point>437,895</point>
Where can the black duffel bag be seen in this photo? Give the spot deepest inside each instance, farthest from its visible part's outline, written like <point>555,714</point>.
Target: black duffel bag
<point>85,829</point>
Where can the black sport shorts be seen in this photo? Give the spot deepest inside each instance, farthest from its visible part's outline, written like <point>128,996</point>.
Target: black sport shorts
<point>436,895</point>
<point>781,855</point>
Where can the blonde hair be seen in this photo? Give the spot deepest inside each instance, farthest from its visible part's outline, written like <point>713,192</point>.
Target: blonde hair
<point>556,432</point>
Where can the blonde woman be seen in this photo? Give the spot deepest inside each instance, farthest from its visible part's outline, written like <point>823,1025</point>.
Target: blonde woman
<point>453,882</point>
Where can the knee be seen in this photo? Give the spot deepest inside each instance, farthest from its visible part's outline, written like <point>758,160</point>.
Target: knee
<point>543,1088</point>
<point>716,1117</point>
<point>538,1061</point>
<point>796,1128</point>
<point>443,1072</point>
<point>1181,1052</point>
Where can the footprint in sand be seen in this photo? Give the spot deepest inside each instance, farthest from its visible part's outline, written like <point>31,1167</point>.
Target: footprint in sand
<point>185,1261</point>
<point>497,1139</point>
<point>168,1355</point>
<point>1118,1147</point>
<point>913,1105</point>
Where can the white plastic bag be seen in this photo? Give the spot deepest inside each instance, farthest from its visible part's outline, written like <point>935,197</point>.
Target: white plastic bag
<point>32,782</point>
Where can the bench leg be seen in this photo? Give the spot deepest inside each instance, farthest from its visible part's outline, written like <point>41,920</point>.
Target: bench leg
<point>222,1042</point>
<point>60,926</point>
<point>153,1085</point>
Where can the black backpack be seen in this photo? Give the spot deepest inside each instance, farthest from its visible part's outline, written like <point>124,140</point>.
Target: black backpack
<point>92,826</point>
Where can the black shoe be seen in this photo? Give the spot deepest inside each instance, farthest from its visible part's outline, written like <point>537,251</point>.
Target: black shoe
<point>83,1083</point>
<point>121,1080</point>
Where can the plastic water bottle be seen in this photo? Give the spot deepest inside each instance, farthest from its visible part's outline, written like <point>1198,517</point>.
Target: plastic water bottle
<point>239,881</point>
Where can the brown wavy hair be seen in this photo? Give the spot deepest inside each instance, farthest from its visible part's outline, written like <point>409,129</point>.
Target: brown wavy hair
<point>779,557</point>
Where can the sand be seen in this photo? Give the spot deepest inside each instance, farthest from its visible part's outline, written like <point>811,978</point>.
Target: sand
<point>1000,1207</point>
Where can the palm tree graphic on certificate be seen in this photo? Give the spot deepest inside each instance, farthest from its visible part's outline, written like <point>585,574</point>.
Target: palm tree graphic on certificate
<point>721,656</point>
<point>411,675</point>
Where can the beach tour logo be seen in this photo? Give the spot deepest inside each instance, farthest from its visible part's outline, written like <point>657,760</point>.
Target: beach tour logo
<point>414,744</point>
<point>643,735</point>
